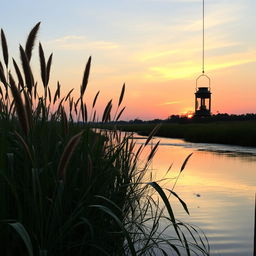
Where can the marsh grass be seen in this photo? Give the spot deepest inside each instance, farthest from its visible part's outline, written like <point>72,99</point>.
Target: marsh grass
<point>225,132</point>
<point>68,189</point>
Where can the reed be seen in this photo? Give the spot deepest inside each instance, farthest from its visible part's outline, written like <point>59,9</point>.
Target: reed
<point>68,189</point>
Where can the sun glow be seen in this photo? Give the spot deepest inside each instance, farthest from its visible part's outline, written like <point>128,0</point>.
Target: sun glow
<point>189,113</point>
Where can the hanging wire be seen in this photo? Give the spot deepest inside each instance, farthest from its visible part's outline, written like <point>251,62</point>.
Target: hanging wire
<point>203,42</point>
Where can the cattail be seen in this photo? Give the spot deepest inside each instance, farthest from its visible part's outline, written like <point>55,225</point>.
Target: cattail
<point>48,69</point>
<point>185,162</point>
<point>42,65</point>
<point>121,95</point>
<point>4,48</point>
<point>86,76</point>
<point>153,151</point>
<point>2,75</point>
<point>31,41</point>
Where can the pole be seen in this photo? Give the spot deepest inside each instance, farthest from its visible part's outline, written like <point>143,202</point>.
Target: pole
<point>203,42</point>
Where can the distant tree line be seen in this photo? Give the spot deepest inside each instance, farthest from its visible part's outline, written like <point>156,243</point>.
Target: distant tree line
<point>185,119</point>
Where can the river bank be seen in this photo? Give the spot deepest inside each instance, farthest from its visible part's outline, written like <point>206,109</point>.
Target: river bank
<point>241,133</point>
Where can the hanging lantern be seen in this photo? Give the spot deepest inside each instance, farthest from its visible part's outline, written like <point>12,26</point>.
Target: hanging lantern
<point>203,91</point>
<point>203,96</point>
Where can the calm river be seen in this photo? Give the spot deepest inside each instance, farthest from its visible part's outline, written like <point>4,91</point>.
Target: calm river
<point>218,185</point>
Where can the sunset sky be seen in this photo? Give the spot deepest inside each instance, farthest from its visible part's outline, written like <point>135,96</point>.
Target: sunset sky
<point>154,46</point>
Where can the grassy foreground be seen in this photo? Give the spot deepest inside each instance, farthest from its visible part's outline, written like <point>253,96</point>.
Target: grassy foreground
<point>234,132</point>
<point>67,189</point>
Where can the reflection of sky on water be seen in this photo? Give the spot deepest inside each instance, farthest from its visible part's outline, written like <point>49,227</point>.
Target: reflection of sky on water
<point>218,185</point>
<point>229,150</point>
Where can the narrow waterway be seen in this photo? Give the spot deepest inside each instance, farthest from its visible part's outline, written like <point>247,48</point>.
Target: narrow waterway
<point>218,186</point>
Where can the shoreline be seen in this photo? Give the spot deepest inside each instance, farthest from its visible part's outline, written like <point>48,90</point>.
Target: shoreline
<point>240,133</point>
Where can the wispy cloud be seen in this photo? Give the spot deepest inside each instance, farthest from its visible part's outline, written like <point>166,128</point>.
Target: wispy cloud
<point>188,69</point>
<point>156,54</point>
<point>217,14</point>
<point>171,103</point>
<point>74,42</point>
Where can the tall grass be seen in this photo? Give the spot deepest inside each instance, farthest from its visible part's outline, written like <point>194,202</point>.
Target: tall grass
<point>234,133</point>
<point>67,189</point>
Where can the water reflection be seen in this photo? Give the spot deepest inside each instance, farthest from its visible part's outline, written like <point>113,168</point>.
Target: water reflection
<point>218,185</point>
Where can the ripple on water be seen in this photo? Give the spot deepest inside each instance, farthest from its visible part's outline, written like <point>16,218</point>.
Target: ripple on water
<point>224,177</point>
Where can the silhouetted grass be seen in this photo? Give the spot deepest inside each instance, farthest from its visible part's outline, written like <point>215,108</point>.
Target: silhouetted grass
<point>67,189</point>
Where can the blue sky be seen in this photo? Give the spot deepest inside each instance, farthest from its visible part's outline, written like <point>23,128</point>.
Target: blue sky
<point>152,45</point>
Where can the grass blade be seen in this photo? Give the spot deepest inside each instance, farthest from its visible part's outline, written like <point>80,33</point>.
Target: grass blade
<point>153,132</point>
<point>186,245</point>
<point>57,93</point>
<point>27,70</point>
<point>85,116</point>
<point>181,201</point>
<point>167,205</point>
<point>50,95</point>
<point>120,113</point>
<point>120,224</point>
<point>95,99</point>
<point>68,95</point>
<point>67,154</point>
<point>20,109</point>
<point>42,64</point>
<point>25,145</point>
<point>22,232</point>
<point>107,111</point>
<point>18,73</point>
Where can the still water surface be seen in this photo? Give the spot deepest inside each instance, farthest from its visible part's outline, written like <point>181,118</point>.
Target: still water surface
<point>218,185</point>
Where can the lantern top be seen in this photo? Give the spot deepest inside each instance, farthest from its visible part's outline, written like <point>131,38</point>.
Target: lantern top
<point>208,81</point>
